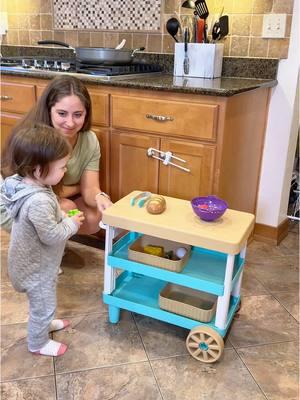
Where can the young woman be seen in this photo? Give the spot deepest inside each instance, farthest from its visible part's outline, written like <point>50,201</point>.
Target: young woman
<point>38,157</point>
<point>66,105</point>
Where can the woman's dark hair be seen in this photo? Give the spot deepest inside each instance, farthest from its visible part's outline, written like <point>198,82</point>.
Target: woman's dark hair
<point>34,146</point>
<point>57,89</point>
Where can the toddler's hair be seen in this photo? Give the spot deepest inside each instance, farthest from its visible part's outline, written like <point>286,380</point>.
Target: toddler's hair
<point>36,145</point>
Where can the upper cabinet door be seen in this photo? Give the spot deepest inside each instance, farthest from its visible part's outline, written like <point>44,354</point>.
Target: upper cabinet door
<point>100,107</point>
<point>199,159</point>
<point>131,168</point>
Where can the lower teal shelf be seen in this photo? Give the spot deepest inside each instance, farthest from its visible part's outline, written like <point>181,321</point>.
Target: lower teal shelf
<point>140,294</point>
<point>205,269</point>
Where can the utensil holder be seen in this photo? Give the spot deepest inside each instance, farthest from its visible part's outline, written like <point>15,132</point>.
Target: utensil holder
<point>205,60</point>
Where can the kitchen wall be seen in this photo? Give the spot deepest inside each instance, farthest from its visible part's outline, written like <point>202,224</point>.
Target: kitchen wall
<point>33,20</point>
<point>281,135</point>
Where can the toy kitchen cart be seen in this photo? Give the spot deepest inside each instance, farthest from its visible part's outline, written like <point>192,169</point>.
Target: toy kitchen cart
<point>215,266</point>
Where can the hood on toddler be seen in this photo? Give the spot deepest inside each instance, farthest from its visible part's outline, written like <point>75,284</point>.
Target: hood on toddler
<point>14,192</point>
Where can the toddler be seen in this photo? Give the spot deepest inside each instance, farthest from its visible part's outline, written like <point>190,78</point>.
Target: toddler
<point>38,158</point>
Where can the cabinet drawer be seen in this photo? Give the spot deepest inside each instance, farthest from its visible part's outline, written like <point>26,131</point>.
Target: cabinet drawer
<point>17,98</point>
<point>168,117</point>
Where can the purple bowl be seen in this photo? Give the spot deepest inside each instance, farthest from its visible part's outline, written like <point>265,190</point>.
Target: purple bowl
<point>209,208</point>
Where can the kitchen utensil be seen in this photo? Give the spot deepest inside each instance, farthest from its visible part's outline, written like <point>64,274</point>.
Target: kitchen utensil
<point>209,208</point>
<point>220,28</point>
<point>215,31</point>
<point>98,55</point>
<point>186,63</point>
<point>188,4</point>
<point>172,27</point>
<point>224,26</point>
<point>120,45</point>
<point>187,22</point>
<point>200,30</point>
<point>203,13</point>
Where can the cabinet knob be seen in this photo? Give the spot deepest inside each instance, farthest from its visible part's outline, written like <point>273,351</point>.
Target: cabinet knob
<point>160,118</point>
<point>6,98</point>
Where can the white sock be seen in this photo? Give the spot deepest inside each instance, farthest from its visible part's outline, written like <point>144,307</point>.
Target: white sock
<point>52,348</point>
<point>58,324</point>
<point>60,271</point>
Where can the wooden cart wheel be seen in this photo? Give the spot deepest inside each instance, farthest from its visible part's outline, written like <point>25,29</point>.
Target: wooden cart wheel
<point>204,344</point>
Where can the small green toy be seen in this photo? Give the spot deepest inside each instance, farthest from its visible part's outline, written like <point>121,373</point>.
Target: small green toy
<point>71,213</point>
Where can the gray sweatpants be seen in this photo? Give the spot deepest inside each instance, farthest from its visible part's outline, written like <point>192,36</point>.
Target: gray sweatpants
<point>42,306</point>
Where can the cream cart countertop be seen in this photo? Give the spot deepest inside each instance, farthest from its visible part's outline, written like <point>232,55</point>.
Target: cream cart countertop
<point>228,234</point>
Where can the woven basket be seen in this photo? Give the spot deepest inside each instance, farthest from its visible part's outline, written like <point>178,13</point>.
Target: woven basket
<point>188,302</point>
<point>135,253</point>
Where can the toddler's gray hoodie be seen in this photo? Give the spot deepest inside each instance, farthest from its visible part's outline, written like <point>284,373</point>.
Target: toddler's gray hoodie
<point>39,232</point>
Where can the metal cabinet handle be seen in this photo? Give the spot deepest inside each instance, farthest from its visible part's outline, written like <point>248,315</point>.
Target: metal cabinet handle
<point>165,157</point>
<point>6,98</point>
<point>160,118</point>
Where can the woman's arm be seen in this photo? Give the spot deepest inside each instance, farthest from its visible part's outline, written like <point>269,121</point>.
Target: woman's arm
<point>90,188</point>
<point>66,191</point>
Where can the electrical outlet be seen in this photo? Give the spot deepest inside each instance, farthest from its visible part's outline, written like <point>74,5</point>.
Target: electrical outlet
<point>274,26</point>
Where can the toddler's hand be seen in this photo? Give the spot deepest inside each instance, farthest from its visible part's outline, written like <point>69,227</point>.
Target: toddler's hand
<point>78,218</point>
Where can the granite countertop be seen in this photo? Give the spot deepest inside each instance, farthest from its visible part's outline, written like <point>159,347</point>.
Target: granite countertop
<point>224,86</point>
<point>238,74</point>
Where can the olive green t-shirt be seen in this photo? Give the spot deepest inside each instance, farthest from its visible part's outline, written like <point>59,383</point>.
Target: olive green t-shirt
<point>84,157</point>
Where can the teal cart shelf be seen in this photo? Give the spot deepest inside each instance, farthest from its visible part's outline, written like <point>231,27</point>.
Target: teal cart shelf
<point>140,294</point>
<point>205,269</point>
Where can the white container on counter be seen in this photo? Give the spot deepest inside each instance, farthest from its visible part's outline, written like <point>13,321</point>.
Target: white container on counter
<point>205,60</point>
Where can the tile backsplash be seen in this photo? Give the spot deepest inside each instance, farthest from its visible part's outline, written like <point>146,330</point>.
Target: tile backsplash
<point>117,15</point>
<point>101,23</point>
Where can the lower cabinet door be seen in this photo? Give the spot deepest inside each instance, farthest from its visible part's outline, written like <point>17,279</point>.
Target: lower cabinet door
<point>131,168</point>
<point>8,121</point>
<point>199,158</point>
<point>103,138</point>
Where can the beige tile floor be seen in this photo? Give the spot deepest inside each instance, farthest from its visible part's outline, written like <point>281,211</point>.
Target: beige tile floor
<point>143,359</point>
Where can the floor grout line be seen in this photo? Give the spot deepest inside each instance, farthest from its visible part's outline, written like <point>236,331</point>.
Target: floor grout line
<point>149,361</point>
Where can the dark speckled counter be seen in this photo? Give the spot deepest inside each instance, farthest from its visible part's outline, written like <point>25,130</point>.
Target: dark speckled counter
<point>225,86</point>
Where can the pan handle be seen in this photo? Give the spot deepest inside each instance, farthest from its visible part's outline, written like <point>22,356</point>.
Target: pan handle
<point>135,50</point>
<point>58,43</point>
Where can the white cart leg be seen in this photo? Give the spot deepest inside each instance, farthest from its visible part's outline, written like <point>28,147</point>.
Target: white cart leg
<point>237,288</point>
<point>223,301</point>
<point>109,272</point>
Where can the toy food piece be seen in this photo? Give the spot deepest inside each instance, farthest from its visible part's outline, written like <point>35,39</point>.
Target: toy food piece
<point>154,250</point>
<point>171,256</point>
<point>156,204</point>
<point>71,213</point>
<point>180,252</point>
<point>203,206</point>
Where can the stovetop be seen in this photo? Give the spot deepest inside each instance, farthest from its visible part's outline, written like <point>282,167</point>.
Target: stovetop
<point>36,64</point>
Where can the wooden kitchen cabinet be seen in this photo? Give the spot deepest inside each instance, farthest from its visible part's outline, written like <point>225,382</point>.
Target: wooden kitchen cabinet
<point>220,138</point>
<point>132,168</point>
<point>8,121</point>
<point>176,118</point>
<point>16,99</point>
<point>199,158</point>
